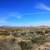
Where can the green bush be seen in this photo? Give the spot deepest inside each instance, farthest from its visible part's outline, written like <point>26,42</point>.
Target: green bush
<point>39,40</point>
<point>25,46</point>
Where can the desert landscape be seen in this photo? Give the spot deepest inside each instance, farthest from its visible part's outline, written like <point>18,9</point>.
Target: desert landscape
<point>25,38</point>
<point>24,24</point>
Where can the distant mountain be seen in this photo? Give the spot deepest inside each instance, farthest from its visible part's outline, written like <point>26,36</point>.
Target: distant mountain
<point>43,26</point>
<point>24,27</point>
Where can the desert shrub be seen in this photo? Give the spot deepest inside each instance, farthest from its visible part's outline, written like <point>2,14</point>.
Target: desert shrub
<point>39,40</point>
<point>25,46</point>
<point>4,33</point>
<point>15,34</point>
<point>46,31</point>
<point>23,34</point>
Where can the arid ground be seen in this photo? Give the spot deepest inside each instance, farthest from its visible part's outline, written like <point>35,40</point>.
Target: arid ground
<point>25,38</point>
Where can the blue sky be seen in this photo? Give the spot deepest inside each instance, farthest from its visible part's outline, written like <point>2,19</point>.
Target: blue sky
<point>25,12</point>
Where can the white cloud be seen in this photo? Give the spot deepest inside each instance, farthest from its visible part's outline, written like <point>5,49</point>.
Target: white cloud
<point>42,6</point>
<point>19,17</point>
<point>15,14</point>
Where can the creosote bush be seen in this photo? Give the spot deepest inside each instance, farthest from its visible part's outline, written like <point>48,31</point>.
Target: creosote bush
<point>25,45</point>
<point>39,40</point>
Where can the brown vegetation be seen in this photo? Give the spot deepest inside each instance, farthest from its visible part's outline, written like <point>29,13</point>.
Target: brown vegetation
<point>25,38</point>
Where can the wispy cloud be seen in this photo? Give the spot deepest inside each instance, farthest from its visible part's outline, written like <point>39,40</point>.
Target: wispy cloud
<point>4,19</point>
<point>19,17</point>
<point>15,15</point>
<point>42,6</point>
